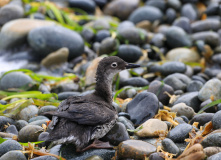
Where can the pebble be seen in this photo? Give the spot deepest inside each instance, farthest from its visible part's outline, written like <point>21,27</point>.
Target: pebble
<point>108,45</point>
<point>171,37</point>
<point>156,156</point>
<point>202,118</point>
<point>170,146</point>
<point>149,13</point>
<point>133,35</point>
<point>128,124</point>
<point>183,23</point>
<point>95,157</point>
<point>37,118</point>
<point>121,8</point>
<point>14,32</point>
<point>10,12</point>
<point>212,139</point>
<point>39,122</point>
<point>190,99</point>
<point>65,95</point>
<point>159,89</point>
<point>15,155</point>
<point>125,25</point>
<point>12,129</point>
<point>20,124</point>
<point>41,38</point>
<point>134,81</point>
<point>182,109</point>
<point>143,107</point>
<point>28,112</point>
<point>194,86</point>
<point>9,145</point>
<point>47,108</point>
<point>152,128</point>
<point>205,25</point>
<point>88,6</point>
<point>180,132</point>
<point>172,67</point>
<point>55,58</point>
<point>215,156</point>
<point>158,4</point>
<point>45,158</point>
<point>183,55</point>
<point>15,80</point>
<point>188,10</point>
<point>129,52</point>
<point>135,149</point>
<point>211,88</point>
<point>216,120</point>
<point>29,133</point>
<point>158,40</point>
<point>5,121</point>
<point>101,35</point>
<point>117,134</point>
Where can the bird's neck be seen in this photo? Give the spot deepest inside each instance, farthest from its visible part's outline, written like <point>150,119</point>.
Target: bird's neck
<point>104,88</point>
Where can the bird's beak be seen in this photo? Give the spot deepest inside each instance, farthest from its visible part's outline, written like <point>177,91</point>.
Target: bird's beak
<point>130,65</point>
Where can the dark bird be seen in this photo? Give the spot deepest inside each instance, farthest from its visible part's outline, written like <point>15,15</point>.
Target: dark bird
<point>79,120</point>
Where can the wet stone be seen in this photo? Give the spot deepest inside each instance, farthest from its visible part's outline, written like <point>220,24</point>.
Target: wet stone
<point>202,118</point>
<point>20,124</point>
<point>212,87</point>
<point>41,38</point>
<point>47,109</point>
<point>171,37</point>
<point>12,129</point>
<point>134,35</point>
<point>150,128</point>
<point>182,109</point>
<point>15,80</point>
<point>135,149</point>
<point>9,145</point>
<point>156,156</point>
<point>159,89</point>
<point>67,151</point>
<point>180,132</point>
<point>190,99</point>
<point>13,155</point>
<point>129,53</point>
<point>146,13</point>
<point>216,120</point>
<point>128,124</point>
<point>198,78</point>
<point>215,156</point>
<point>117,134</point>
<point>143,107</point>
<point>127,93</point>
<point>189,11</point>
<point>45,158</point>
<point>170,146</point>
<point>38,118</point>
<point>5,121</point>
<point>172,67</point>
<point>88,6</point>
<point>134,81</point>
<point>29,133</point>
<point>28,112</point>
<point>194,86</point>
<point>213,139</point>
<point>205,25</point>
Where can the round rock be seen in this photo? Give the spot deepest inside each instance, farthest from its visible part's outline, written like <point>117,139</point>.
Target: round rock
<point>134,81</point>
<point>213,139</point>
<point>9,145</point>
<point>86,5</point>
<point>29,133</point>
<point>47,39</point>
<point>47,109</point>
<point>217,120</point>
<point>189,11</point>
<point>206,25</point>
<point>12,129</point>
<point>5,121</point>
<point>212,87</point>
<point>28,112</point>
<point>150,128</point>
<point>194,86</point>
<point>13,155</point>
<point>183,23</point>
<point>172,67</point>
<point>20,124</point>
<point>215,156</point>
<point>45,158</point>
<point>15,80</point>
<point>182,109</point>
<point>176,37</point>
<point>179,133</point>
<point>170,146</point>
<point>143,107</point>
<point>135,149</point>
<point>202,118</point>
<point>149,13</point>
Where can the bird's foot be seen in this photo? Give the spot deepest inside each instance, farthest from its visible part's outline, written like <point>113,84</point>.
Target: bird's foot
<point>98,145</point>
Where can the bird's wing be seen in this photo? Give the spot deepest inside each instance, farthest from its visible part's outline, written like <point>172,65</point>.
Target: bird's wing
<point>83,112</point>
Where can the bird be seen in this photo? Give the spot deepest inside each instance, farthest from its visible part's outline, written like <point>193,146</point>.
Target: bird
<point>81,120</point>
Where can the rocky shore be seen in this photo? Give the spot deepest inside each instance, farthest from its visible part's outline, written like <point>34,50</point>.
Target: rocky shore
<point>169,108</point>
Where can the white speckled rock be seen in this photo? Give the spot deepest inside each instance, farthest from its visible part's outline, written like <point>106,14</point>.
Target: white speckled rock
<point>150,128</point>
<point>210,88</point>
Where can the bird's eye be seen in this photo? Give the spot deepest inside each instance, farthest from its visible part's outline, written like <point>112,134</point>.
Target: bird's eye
<point>114,64</point>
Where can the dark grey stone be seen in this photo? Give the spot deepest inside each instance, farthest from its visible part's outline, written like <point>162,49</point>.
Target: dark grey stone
<point>108,45</point>
<point>143,107</point>
<point>183,23</point>
<point>47,39</point>
<point>13,155</point>
<point>206,25</point>
<point>47,109</point>
<point>189,11</point>
<point>158,40</point>
<point>215,156</point>
<point>157,3</point>
<point>12,129</point>
<point>134,81</point>
<point>45,158</point>
<point>170,146</point>
<point>175,4</point>
<point>156,156</point>
<point>101,35</point>
<point>29,133</point>
<point>4,121</point>
<point>217,120</point>
<point>65,95</point>
<point>213,139</point>
<point>202,118</point>
<point>194,86</point>
<point>86,5</point>
<point>146,13</point>
<point>38,118</point>
<point>180,132</point>
<point>172,67</point>
<point>9,145</point>
<point>176,37</point>
<point>171,15</point>
<point>20,124</point>
<point>124,25</point>
<point>128,124</point>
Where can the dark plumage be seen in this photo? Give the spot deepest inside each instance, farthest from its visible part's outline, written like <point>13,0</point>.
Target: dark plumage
<point>79,120</point>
